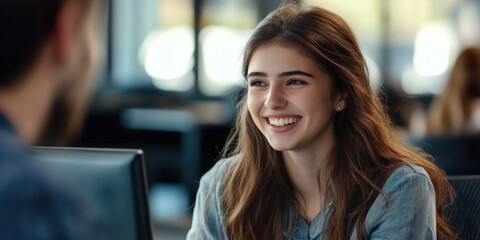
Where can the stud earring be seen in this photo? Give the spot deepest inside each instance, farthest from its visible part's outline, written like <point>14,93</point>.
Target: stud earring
<point>339,108</point>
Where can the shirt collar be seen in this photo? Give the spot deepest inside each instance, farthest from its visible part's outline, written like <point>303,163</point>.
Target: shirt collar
<point>5,124</point>
<point>293,224</point>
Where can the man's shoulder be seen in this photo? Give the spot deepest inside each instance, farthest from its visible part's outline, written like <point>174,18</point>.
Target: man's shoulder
<point>33,204</point>
<point>16,163</point>
<point>20,178</point>
<point>11,147</point>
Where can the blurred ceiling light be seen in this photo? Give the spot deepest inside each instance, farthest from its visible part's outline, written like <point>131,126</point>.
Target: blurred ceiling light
<point>432,50</point>
<point>375,76</point>
<point>414,83</point>
<point>167,56</point>
<point>221,58</point>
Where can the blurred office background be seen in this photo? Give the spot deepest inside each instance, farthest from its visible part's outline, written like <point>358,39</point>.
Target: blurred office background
<point>171,73</point>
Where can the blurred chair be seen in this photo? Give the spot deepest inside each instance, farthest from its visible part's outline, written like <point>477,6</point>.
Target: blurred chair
<point>455,154</point>
<point>464,216</point>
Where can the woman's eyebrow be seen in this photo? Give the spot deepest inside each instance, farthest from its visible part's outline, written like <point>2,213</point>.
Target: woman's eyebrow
<point>256,74</point>
<point>291,73</point>
<point>283,74</point>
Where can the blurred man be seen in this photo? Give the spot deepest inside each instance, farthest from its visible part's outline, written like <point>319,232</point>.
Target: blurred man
<point>48,53</point>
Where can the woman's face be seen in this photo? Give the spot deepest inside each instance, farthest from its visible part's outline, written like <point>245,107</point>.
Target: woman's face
<point>289,99</point>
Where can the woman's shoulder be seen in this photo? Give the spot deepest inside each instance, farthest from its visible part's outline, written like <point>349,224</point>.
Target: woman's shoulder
<point>409,169</point>
<point>207,220</point>
<point>406,206</point>
<point>407,174</point>
<point>218,172</point>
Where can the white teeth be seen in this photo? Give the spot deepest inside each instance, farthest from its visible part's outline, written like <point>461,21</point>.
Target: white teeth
<point>281,121</point>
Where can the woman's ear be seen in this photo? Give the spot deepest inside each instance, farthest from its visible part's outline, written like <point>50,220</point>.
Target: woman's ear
<point>341,101</point>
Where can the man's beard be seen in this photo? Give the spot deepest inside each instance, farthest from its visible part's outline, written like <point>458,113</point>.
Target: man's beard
<point>68,109</point>
<point>64,122</point>
<point>70,104</point>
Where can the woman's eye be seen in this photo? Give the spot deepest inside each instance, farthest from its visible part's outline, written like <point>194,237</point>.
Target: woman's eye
<point>296,82</point>
<point>256,83</point>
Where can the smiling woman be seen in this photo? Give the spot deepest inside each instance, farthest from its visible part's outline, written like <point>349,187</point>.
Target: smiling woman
<point>312,155</point>
<point>285,84</point>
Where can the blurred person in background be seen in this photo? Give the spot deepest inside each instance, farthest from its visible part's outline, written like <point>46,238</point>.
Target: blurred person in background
<point>49,50</point>
<point>456,111</point>
<point>313,154</point>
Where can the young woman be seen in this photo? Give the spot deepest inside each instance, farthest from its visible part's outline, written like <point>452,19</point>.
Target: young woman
<point>312,155</point>
<point>457,109</point>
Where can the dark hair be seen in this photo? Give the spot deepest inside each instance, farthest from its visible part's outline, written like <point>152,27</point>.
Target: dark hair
<point>366,150</point>
<point>25,25</point>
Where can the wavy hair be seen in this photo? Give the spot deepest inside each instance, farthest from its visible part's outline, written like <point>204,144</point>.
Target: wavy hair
<point>451,110</point>
<point>258,189</point>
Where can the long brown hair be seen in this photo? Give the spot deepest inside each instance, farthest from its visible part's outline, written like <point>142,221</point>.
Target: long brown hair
<point>258,189</point>
<point>451,110</point>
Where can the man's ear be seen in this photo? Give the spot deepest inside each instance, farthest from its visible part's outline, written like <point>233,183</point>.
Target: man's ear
<point>67,31</point>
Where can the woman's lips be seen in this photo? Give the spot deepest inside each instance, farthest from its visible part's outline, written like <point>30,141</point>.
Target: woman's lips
<point>282,124</point>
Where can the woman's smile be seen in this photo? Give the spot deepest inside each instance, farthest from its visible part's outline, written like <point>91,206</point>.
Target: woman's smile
<point>282,124</point>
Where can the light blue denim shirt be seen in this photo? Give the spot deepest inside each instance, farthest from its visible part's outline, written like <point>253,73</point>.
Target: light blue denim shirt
<point>408,214</point>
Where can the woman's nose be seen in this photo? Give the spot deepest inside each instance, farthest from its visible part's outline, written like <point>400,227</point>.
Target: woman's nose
<point>276,98</point>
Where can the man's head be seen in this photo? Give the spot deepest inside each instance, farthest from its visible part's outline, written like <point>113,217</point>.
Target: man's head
<point>53,45</point>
